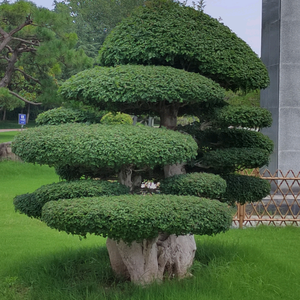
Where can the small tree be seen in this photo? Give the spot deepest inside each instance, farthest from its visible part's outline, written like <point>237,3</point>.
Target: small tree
<point>166,59</point>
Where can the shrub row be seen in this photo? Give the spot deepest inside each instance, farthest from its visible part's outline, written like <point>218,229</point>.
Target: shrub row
<point>196,184</point>
<point>135,217</point>
<point>31,204</point>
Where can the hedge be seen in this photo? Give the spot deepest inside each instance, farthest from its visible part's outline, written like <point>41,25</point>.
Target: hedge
<point>196,184</point>
<point>242,189</point>
<point>63,115</point>
<point>135,217</point>
<point>31,204</point>
<point>170,34</point>
<point>103,146</point>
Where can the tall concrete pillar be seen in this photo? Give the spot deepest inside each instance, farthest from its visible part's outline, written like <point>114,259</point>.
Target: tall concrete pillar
<point>281,55</point>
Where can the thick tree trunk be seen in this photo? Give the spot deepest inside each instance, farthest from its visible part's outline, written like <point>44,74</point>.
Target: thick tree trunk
<point>28,113</point>
<point>125,177</point>
<point>168,116</point>
<point>5,81</point>
<point>168,119</point>
<point>151,260</point>
<point>171,170</point>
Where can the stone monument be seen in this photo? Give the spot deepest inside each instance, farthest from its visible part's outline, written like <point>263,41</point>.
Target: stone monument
<point>281,55</point>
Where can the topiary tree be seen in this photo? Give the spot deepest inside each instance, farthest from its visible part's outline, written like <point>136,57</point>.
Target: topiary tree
<point>166,59</point>
<point>148,236</point>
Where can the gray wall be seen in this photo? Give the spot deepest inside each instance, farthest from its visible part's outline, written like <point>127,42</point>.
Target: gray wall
<point>281,55</point>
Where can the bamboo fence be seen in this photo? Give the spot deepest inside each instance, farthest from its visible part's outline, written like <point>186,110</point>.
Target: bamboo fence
<point>281,207</point>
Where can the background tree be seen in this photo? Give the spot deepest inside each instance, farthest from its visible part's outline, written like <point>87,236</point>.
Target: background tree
<point>168,59</point>
<point>8,102</point>
<point>94,20</point>
<point>37,45</point>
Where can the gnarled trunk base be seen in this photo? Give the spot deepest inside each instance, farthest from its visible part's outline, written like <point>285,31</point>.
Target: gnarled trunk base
<point>151,260</point>
<point>176,169</point>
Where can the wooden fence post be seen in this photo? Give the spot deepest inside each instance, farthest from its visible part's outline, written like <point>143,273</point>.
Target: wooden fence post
<point>241,214</point>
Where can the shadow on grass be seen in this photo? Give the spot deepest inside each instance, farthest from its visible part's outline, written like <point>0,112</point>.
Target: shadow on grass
<point>222,268</point>
<point>85,273</point>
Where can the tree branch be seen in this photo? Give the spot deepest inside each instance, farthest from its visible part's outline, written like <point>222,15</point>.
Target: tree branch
<point>28,76</point>
<point>36,43</point>
<point>8,36</point>
<point>26,23</point>
<point>23,99</point>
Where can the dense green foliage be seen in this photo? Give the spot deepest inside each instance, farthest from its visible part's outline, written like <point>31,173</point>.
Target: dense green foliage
<point>168,33</point>
<point>212,139</point>
<point>63,115</point>
<point>232,159</point>
<point>134,217</point>
<point>139,88</point>
<point>244,116</point>
<point>242,189</point>
<point>31,203</point>
<point>241,98</point>
<point>103,146</point>
<point>115,119</point>
<point>194,184</point>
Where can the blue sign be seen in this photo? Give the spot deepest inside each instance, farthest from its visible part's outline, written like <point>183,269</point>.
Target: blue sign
<point>22,119</point>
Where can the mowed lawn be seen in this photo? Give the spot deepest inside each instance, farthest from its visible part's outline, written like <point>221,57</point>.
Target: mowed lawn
<point>7,136</point>
<point>39,263</point>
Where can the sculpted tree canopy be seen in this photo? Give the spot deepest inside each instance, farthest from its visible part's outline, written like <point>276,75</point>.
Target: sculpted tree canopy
<point>36,48</point>
<point>97,147</point>
<point>170,34</point>
<point>138,89</point>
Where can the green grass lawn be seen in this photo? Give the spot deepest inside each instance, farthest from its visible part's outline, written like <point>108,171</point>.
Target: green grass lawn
<point>39,263</point>
<point>7,136</point>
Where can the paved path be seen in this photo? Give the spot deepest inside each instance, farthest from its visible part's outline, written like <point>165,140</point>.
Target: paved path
<point>5,130</point>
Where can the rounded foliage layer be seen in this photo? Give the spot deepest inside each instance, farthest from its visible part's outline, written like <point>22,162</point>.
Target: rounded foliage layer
<point>31,204</point>
<point>227,138</point>
<point>103,146</point>
<point>168,33</point>
<point>194,184</point>
<point>242,189</point>
<point>63,115</point>
<point>232,159</point>
<point>140,87</point>
<point>243,116</point>
<point>115,119</point>
<point>135,217</point>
